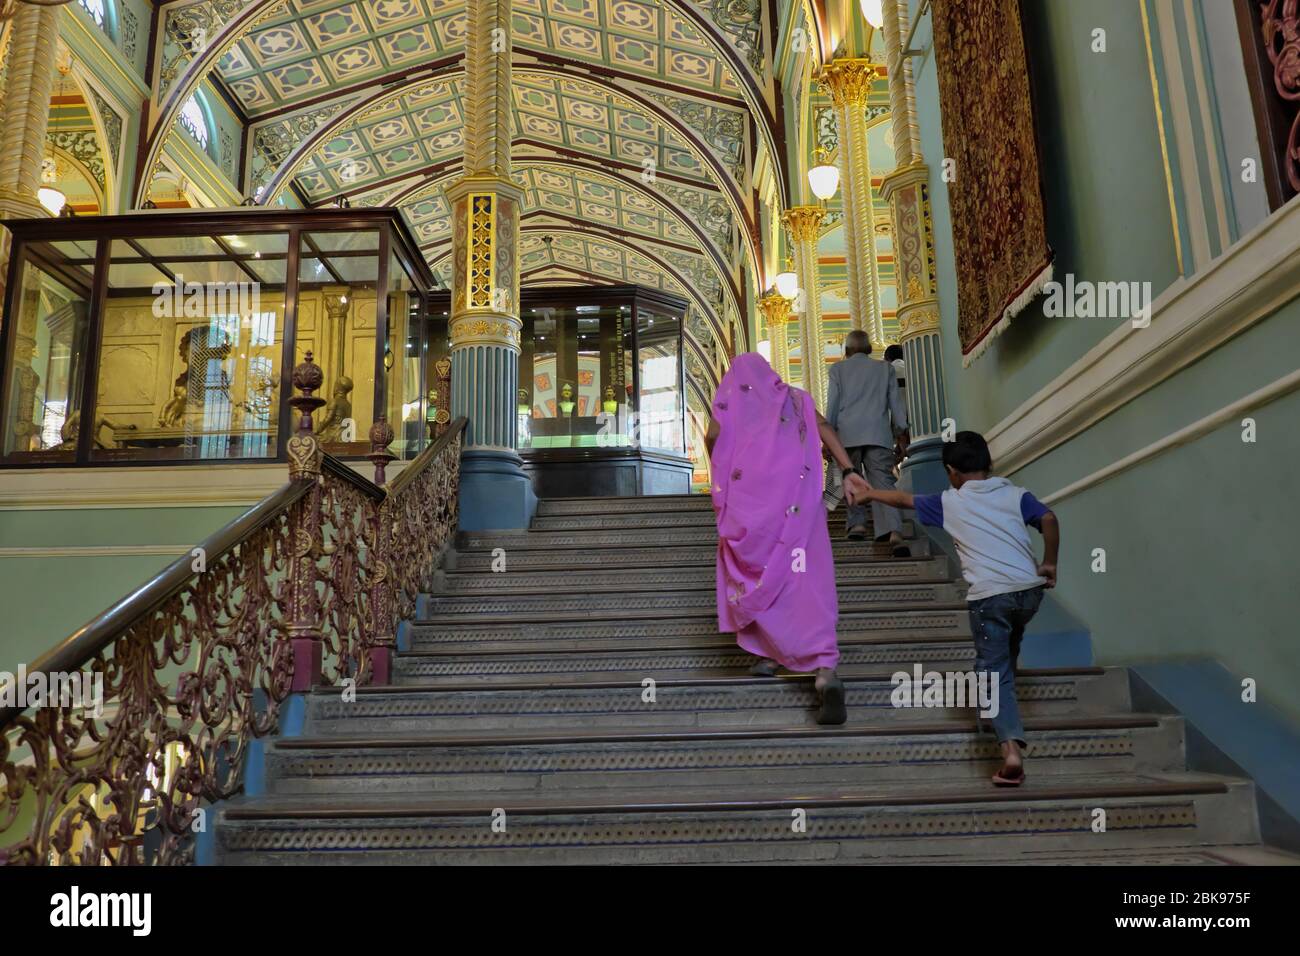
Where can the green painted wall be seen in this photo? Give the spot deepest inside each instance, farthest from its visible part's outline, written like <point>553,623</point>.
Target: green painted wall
<point>1197,558</point>
<point>1196,539</point>
<point>47,598</point>
<point>1104,187</point>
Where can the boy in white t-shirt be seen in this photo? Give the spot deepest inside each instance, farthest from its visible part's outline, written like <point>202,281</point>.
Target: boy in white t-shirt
<point>987,519</point>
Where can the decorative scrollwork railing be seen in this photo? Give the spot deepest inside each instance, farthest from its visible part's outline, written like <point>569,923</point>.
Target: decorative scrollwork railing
<point>143,718</point>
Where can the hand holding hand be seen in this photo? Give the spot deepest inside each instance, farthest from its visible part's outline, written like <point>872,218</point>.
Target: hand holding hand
<point>855,488</point>
<point>1048,571</point>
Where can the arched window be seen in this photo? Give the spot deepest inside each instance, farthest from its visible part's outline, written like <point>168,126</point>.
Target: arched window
<point>98,10</point>
<point>195,121</point>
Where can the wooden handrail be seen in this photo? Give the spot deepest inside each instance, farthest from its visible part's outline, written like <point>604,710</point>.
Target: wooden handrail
<point>81,647</point>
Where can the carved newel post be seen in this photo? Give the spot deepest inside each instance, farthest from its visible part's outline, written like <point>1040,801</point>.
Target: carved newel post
<point>383,641</point>
<point>302,606</point>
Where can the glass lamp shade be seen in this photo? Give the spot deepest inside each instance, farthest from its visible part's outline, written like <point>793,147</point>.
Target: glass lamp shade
<point>874,12</point>
<point>787,283</point>
<point>824,179</point>
<point>52,199</point>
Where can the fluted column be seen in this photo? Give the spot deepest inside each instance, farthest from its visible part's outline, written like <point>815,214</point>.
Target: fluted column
<point>848,81</point>
<point>907,189</point>
<point>804,224</point>
<point>485,204</point>
<point>776,314</point>
<point>29,81</point>
<point>484,324</point>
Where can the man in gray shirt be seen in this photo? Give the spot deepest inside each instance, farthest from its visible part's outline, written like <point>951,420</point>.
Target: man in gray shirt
<point>865,408</point>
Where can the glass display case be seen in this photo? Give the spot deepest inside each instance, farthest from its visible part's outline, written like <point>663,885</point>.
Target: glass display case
<point>600,398</point>
<point>154,338</point>
<point>171,338</point>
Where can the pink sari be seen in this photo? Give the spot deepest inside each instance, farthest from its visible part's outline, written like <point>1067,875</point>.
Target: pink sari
<point>776,575</point>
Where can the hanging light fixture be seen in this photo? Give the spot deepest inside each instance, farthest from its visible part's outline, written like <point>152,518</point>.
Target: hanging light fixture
<point>787,283</point>
<point>49,194</point>
<point>824,177</point>
<point>874,12</point>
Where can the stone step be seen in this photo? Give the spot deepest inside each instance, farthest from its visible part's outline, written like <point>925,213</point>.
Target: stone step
<point>600,537</point>
<point>714,658</point>
<point>636,555</point>
<point>547,507</point>
<point>881,822</point>
<point>643,758</point>
<point>717,702</point>
<point>659,603</point>
<point>596,580</point>
<point>679,518</point>
<point>617,631</point>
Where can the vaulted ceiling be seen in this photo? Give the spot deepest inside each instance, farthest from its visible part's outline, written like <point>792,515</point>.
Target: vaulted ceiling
<point>637,127</point>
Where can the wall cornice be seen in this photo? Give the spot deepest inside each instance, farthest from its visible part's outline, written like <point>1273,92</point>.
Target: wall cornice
<point>1191,318</point>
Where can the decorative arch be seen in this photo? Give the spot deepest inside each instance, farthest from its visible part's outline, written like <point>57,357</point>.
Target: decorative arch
<point>258,11</point>
<point>663,266</point>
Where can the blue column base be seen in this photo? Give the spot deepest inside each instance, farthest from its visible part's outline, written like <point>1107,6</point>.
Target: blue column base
<point>495,494</point>
<point>923,472</point>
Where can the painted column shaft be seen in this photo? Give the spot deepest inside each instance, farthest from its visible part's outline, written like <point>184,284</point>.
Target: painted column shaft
<point>849,81</point>
<point>804,224</point>
<point>485,203</point>
<point>907,189</point>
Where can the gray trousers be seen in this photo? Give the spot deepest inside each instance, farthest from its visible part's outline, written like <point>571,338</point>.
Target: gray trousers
<point>877,464</point>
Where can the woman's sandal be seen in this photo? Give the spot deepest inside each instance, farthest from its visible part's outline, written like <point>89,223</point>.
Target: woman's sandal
<point>765,668</point>
<point>832,710</point>
<point>1001,779</point>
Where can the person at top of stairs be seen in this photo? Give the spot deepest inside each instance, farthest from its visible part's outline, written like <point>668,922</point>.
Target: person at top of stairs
<point>776,575</point>
<point>987,518</point>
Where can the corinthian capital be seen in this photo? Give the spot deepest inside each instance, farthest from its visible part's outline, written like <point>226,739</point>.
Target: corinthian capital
<point>803,222</point>
<point>848,81</point>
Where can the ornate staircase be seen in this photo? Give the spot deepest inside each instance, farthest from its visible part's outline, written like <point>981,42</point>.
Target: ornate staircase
<point>581,707</point>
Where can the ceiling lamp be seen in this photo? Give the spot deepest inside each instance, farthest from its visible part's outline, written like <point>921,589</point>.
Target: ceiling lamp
<point>874,11</point>
<point>787,283</point>
<point>824,178</point>
<point>52,198</point>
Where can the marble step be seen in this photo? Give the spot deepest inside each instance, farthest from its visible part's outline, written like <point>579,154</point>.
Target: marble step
<point>639,757</point>
<point>809,823</point>
<point>787,701</point>
<point>575,605</point>
<point>636,554</point>
<point>547,507</point>
<point>595,580</point>
<point>601,537</point>
<point>616,630</point>
<point>693,517</point>
<point>713,658</point>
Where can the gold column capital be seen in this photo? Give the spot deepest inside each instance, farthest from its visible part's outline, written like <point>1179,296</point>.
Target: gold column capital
<point>848,80</point>
<point>775,307</point>
<point>804,222</point>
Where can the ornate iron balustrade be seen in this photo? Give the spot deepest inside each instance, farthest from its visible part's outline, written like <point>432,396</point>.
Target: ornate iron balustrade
<point>303,589</point>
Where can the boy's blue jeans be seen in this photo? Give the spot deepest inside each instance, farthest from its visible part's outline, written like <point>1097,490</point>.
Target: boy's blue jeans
<point>998,625</point>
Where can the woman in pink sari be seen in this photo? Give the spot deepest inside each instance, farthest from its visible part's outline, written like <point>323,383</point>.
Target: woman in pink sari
<point>776,574</point>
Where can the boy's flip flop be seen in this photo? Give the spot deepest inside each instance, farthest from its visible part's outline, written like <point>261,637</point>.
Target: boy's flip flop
<point>902,551</point>
<point>832,710</point>
<point>999,780</point>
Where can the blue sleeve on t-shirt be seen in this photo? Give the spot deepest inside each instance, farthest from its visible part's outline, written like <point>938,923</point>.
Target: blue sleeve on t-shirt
<point>1032,510</point>
<point>929,509</point>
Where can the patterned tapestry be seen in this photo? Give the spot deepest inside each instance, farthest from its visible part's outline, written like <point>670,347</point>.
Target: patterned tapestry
<point>1003,259</point>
